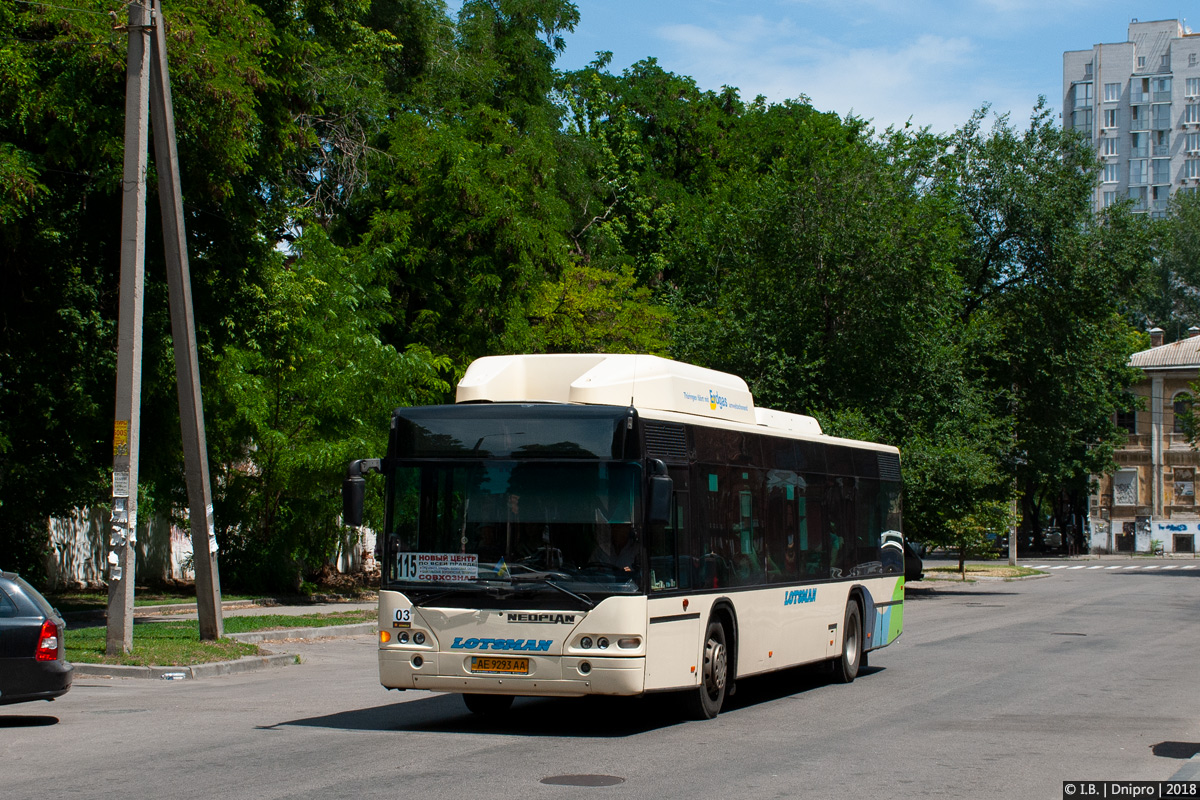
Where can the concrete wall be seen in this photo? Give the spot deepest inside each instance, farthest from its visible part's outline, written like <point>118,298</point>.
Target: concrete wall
<point>78,549</point>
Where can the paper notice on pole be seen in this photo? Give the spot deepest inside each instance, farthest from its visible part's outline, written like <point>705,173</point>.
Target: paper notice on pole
<point>120,483</point>
<point>121,437</point>
<point>212,531</point>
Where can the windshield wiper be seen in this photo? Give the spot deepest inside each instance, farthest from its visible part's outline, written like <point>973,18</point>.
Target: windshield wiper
<point>544,581</point>
<point>489,586</point>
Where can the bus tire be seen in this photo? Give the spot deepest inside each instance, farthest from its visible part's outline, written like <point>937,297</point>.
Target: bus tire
<point>846,666</point>
<point>488,704</point>
<point>706,700</point>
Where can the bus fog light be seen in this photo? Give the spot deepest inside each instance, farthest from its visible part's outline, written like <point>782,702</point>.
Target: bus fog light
<point>418,638</point>
<point>584,667</point>
<point>402,638</point>
<point>586,642</point>
<point>602,643</point>
<point>629,643</point>
<point>417,661</point>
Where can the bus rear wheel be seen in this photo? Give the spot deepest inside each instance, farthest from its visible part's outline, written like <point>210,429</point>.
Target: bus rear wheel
<point>705,701</point>
<point>845,666</point>
<point>488,704</point>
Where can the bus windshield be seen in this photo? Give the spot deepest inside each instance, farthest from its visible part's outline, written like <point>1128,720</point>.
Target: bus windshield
<point>515,529</point>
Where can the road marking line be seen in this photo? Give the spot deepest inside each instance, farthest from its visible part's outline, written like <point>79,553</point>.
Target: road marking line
<point>1060,566</point>
<point>1152,566</point>
<point>1113,567</point>
<point>1041,566</point>
<point>1189,566</point>
<point>1079,567</point>
<point>1171,566</point>
<point>1096,567</point>
<point>1133,566</point>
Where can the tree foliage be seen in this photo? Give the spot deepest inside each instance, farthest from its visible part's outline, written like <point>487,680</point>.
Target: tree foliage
<point>377,193</point>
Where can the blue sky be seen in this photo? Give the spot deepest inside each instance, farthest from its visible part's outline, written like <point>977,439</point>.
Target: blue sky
<point>933,61</point>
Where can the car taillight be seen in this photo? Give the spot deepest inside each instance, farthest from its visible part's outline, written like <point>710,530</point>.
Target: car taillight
<point>48,642</point>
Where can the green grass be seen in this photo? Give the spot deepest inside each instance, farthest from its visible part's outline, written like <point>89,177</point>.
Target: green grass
<point>164,644</point>
<point>983,571</point>
<point>177,643</point>
<point>266,622</point>
<point>98,601</point>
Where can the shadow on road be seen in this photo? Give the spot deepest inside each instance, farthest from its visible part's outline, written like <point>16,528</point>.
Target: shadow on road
<point>584,717</point>
<point>595,717</point>
<point>918,593</point>
<point>26,720</point>
<point>1180,750</point>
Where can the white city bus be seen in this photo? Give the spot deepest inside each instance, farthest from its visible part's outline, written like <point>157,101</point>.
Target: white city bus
<point>618,525</point>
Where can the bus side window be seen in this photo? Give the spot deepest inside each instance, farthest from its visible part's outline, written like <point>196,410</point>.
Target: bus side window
<point>869,521</point>
<point>669,563</point>
<point>780,527</point>
<point>812,535</point>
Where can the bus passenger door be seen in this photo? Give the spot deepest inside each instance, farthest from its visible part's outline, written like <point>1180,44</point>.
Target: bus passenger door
<point>673,624</point>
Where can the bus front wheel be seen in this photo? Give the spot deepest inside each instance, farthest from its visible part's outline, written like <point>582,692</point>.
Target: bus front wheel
<point>487,704</point>
<point>845,666</point>
<point>705,701</point>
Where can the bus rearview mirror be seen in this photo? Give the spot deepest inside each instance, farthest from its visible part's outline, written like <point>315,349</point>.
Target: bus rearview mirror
<point>353,489</point>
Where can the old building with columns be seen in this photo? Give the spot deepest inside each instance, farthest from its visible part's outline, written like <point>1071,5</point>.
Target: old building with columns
<point>1150,500</point>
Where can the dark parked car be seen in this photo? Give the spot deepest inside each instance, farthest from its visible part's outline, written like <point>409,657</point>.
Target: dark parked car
<point>32,666</point>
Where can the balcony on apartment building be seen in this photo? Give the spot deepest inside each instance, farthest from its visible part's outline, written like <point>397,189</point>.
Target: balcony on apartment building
<point>1140,442</point>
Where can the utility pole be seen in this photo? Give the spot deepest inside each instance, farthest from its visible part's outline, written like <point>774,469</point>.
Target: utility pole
<point>127,425</point>
<point>1015,529</point>
<point>147,69</point>
<point>183,333</point>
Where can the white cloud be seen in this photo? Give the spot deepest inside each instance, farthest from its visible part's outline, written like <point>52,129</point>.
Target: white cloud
<point>922,78</point>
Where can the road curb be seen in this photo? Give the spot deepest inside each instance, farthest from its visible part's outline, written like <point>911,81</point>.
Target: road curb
<point>319,632</point>
<point>245,664</point>
<point>191,608</point>
<point>1190,771</point>
<point>972,578</point>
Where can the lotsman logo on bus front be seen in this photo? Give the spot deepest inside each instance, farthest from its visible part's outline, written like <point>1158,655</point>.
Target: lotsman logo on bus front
<point>541,645</point>
<point>800,596</point>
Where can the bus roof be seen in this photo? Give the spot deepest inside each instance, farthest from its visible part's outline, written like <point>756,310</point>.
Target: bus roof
<point>646,382</point>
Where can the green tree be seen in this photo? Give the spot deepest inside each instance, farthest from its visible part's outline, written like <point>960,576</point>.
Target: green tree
<point>1044,285</point>
<point>1172,294</point>
<point>62,83</point>
<point>309,390</point>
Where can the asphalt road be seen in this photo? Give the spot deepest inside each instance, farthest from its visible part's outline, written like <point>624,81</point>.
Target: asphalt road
<point>995,690</point>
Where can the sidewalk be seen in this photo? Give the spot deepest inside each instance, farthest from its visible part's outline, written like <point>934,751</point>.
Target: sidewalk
<point>233,608</point>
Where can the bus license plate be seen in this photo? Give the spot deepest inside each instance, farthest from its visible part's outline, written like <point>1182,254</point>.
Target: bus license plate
<point>501,666</point>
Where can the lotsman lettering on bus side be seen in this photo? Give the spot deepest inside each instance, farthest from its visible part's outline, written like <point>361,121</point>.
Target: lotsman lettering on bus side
<point>800,596</point>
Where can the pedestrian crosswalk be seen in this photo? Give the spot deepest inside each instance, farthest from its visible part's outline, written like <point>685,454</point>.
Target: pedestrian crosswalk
<point>1146,567</point>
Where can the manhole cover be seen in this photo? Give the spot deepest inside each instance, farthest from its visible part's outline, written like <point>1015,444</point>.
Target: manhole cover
<point>583,780</point>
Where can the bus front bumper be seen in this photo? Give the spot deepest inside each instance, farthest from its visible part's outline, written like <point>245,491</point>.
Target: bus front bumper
<point>550,676</point>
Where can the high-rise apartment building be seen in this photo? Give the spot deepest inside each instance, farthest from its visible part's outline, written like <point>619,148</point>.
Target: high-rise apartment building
<point>1139,103</point>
